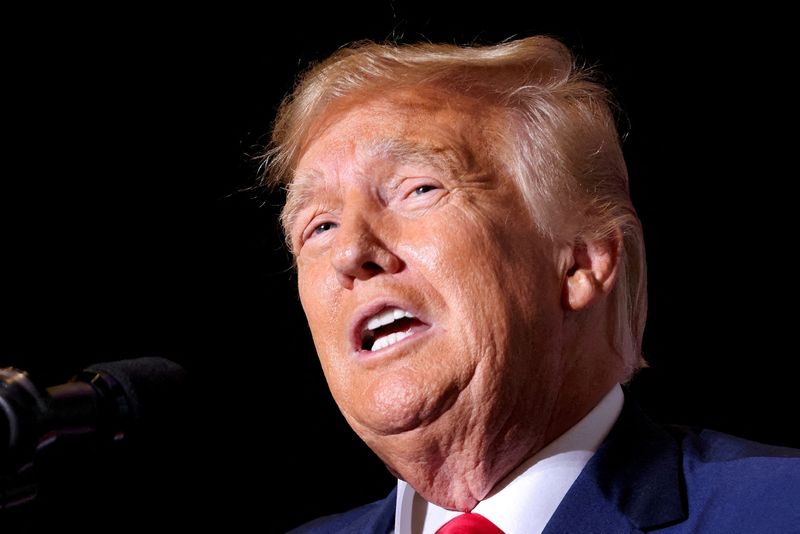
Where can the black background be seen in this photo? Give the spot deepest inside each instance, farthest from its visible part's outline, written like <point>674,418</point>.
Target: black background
<point>131,227</point>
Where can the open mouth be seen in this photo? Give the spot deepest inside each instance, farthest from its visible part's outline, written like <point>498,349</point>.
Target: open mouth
<point>387,327</point>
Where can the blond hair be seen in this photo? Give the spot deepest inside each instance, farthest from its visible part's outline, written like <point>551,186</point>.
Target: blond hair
<point>560,143</point>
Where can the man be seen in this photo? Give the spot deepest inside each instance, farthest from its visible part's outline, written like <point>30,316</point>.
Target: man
<point>472,271</point>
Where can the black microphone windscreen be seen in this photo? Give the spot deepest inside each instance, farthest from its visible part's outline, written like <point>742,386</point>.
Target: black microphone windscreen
<point>147,382</point>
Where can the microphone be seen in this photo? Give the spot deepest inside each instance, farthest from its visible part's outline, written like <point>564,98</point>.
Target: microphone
<point>105,402</point>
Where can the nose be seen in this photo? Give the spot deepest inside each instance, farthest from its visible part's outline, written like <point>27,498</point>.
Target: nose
<point>359,252</point>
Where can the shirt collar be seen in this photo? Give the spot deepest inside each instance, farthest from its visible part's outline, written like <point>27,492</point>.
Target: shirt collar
<point>531,493</point>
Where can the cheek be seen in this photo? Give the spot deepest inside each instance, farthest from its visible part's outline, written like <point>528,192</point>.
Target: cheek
<point>309,293</point>
<point>319,298</point>
<point>446,244</point>
<point>473,262</point>
<point>462,266</point>
<point>492,274</point>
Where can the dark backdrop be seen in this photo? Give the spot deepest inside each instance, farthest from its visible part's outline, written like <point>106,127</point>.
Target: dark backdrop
<point>131,227</point>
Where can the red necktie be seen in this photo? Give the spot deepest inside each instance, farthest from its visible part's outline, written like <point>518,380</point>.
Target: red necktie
<point>469,524</point>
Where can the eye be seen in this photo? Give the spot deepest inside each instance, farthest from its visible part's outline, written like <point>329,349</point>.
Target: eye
<point>323,227</point>
<point>421,190</point>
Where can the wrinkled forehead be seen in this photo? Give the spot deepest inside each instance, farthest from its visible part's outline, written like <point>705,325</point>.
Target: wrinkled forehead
<point>441,153</point>
<point>394,124</point>
<point>420,127</point>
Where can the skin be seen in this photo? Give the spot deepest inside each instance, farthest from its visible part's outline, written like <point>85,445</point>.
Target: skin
<point>514,348</point>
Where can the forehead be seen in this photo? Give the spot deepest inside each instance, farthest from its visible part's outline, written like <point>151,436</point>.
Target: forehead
<point>403,125</point>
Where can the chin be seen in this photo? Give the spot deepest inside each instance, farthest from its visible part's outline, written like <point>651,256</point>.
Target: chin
<point>399,401</point>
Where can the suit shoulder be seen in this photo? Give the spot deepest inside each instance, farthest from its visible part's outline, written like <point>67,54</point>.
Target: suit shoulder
<point>741,483</point>
<point>717,448</point>
<point>376,517</point>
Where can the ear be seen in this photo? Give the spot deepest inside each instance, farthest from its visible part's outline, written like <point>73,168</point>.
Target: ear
<point>592,271</point>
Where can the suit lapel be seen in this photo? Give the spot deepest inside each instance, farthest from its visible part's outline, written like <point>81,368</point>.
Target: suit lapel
<point>634,481</point>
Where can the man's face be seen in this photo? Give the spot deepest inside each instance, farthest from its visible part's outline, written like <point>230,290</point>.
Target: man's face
<point>403,216</point>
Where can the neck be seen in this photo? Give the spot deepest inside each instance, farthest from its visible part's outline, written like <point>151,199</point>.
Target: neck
<point>460,473</point>
<point>456,477</point>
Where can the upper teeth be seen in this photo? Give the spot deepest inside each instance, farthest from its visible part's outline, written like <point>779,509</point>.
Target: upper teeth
<point>387,316</point>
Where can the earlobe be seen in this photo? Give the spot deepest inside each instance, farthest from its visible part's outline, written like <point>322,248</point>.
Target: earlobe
<point>592,271</point>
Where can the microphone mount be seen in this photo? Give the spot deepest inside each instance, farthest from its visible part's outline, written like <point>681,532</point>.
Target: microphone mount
<point>102,403</point>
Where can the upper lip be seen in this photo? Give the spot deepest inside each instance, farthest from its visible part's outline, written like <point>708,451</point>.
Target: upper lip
<point>363,313</point>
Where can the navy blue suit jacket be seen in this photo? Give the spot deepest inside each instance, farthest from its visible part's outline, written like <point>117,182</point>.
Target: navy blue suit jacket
<point>648,478</point>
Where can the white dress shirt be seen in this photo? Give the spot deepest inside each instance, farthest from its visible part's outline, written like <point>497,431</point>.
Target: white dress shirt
<point>535,488</point>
